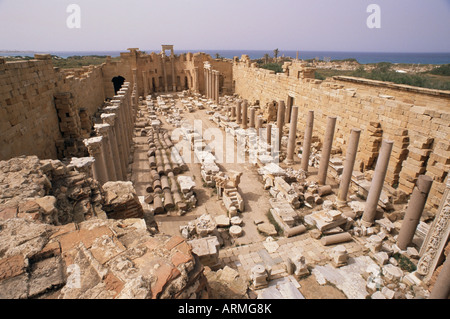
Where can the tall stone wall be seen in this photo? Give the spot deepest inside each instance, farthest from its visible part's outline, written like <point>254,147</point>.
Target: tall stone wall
<point>41,106</point>
<point>416,119</point>
<point>28,121</point>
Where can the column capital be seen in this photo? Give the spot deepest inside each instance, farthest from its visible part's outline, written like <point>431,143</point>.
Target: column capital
<point>109,118</point>
<point>94,144</point>
<point>82,164</point>
<point>102,129</point>
<point>112,109</point>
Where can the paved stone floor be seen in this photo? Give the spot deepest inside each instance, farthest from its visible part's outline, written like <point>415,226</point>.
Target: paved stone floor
<point>252,248</point>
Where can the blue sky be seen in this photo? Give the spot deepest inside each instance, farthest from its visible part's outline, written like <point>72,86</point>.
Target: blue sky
<point>313,25</point>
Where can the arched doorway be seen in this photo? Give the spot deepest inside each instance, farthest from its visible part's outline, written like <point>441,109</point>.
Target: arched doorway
<point>117,82</point>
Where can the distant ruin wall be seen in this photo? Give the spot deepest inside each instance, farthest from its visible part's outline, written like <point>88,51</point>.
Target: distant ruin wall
<point>416,119</point>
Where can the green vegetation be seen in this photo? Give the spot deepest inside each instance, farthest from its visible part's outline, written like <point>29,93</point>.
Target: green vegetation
<point>80,61</point>
<point>70,62</point>
<point>277,67</point>
<point>442,70</point>
<point>404,262</point>
<point>274,223</point>
<point>438,78</point>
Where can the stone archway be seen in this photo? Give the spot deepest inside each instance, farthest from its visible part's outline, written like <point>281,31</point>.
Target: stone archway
<point>117,82</point>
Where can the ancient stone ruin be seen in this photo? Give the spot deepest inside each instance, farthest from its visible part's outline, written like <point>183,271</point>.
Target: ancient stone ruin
<point>164,176</point>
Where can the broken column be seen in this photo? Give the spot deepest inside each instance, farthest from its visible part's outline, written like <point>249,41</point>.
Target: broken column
<point>377,183</point>
<point>292,136</point>
<point>335,239</point>
<point>239,112</point>
<point>259,276</point>
<point>349,163</point>
<point>307,141</point>
<point>94,146</point>
<point>244,114</point>
<point>252,117</point>
<point>326,150</point>
<point>414,211</point>
<point>280,121</point>
<point>269,134</point>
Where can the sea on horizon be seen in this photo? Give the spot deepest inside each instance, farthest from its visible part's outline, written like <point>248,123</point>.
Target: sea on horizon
<point>361,57</point>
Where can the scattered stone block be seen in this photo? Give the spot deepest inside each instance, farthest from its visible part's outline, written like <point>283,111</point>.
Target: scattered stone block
<point>267,229</point>
<point>222,221</point>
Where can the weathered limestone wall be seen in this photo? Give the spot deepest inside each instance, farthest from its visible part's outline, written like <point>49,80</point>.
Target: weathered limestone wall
<point>416,119</point>
<point>40,107</point>
<point>28,121</point>
<point>154,73</point>
<point>86,85</point>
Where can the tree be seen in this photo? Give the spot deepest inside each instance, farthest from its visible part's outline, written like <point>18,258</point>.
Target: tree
<point>275,53</point>
<point>266,58</point>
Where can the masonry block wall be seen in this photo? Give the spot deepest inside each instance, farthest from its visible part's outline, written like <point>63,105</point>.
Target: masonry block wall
<point>152,72</point>
<point>28,120</point>
<point>41,106</point>
<point>416,119</point>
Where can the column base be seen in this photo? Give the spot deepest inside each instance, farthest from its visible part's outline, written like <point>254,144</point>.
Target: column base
<point>341,203</point>
<point>366,223</point>
<point>289,162</point>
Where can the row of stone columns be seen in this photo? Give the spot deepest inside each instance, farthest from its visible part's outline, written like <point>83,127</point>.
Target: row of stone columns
<point>212,84</point>
<point>112,145</point>
<point>418,198</point>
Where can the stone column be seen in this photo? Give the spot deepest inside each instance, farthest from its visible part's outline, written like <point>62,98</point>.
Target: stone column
<point>287,114</point>
<point>205,78</point>
<point>174,78</point>
<point>377,184</point>
<point>118,161</point>
<point>121,137</point>
<point>239,112</point>
<point>269,134</point>
<point>280,121</point>
<point>145,84</point>
<point>124,124</point>
<point>217,86</point>
<point>126,114</point>
<point>244,114</point>
<point>259,125</point>
<point>210,84</point>
<point>441,289</point>
<point>414,211</point>
<point>103,131</point>
<point>252,117</point>
<point>292,136</point>
<point>135,80</point>
<point>94,146</point>
<point>349,163</point>
<point>196,85</point>
<point>307,141</point>
<point>326,150</point>
<point>163,62</point>
<point>213,85</point>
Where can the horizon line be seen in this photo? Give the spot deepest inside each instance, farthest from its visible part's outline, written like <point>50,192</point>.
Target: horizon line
<point>201,50</point>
